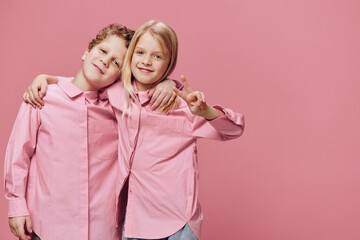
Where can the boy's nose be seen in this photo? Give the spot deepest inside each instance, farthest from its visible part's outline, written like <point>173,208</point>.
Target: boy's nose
<point>105,61</point>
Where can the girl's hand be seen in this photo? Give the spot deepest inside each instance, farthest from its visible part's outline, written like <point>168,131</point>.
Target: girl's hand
<point>162,94</point>
<point>36,91</point>
<point>197,102</point>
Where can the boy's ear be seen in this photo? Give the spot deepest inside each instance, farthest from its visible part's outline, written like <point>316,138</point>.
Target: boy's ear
<point>84,55</point>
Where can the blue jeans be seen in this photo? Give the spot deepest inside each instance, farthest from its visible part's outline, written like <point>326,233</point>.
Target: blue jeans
<point>184,233</point>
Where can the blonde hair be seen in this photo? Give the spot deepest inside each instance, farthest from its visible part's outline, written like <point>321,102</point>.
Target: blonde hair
<point>167,38</point>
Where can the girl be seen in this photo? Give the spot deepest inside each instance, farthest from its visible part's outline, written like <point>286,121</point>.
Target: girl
<point>163,181</point>
<point>159,149</point>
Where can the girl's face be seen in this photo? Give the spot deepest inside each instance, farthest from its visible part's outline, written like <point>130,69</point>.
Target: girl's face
<point>149,61</point>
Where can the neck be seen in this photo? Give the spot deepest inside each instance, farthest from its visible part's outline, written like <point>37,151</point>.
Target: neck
<point>81,83</point>
<point>141,87</point>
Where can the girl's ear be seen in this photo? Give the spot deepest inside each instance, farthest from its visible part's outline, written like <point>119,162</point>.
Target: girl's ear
<point>84,55</point>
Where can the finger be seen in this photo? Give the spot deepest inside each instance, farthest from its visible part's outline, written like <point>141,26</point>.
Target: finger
<point>159,100</point>
<point>34,92</point>
<point>33,100</point>
<point>172,98</point>
<point>151,92</point>
<point>193,97</point>
<point>180,94</point>
<point>203,97</point>
<point>165,102</point>
<point>28,224</point>
<point>24,96</point>
<point>28,100</point>
<point>42,92</point>
<point>198,103</point>
<point>186,84</point>
<point>13,232</point>
<point>20,230</point>
<point>199,97</point>
<point>155,95</point>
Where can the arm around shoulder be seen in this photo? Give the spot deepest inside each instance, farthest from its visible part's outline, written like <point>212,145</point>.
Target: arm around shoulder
<point>37,89</point>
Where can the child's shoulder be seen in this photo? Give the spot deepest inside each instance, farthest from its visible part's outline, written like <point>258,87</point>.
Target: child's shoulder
<point>52,89</point>
<point>116,94</point>
<point>55,91</point>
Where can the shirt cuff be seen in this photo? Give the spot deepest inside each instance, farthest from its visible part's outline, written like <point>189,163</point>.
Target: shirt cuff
<point>222,123</point>
<point>178,84</point>
<point>18,208</point>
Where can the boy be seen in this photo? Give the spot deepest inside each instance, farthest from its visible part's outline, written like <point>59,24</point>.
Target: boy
<point>61,161</point>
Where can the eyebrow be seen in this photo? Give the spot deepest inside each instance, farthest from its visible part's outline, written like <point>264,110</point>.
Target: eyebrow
<point>142,48</point>
<point>106,46</point>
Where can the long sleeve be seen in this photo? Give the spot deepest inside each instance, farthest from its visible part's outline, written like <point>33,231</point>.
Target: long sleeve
<point>20,149</point>
<point>227,127</point>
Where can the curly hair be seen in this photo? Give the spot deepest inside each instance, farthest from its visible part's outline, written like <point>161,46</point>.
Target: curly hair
<point>113,29</point>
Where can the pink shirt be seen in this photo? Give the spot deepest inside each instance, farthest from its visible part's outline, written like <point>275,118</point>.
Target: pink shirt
<point>61,165</point>
<point>162,156</point>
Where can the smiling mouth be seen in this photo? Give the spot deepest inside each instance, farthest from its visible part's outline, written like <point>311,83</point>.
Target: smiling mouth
<point>144,70</point>
<point>99,69</point>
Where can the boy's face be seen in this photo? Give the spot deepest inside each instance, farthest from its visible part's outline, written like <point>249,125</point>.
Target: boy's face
<point>101,65</point>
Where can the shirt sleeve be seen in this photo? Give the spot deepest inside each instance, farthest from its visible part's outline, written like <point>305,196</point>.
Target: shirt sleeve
<point>224,128</point>
<point>20,149</point>
<point>178,84</point>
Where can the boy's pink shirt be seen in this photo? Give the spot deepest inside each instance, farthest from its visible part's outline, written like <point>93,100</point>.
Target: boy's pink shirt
<point>159,154</point>
<point>61,165</point>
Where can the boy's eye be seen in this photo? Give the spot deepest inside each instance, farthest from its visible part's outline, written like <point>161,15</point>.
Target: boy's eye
<point>103,50</point>
<point>116,63</point>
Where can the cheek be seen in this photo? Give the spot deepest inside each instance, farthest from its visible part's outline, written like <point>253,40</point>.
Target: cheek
<point>133,65</point>
<point>132,61</point>
<point>114,74</point>
<point>163,66</point>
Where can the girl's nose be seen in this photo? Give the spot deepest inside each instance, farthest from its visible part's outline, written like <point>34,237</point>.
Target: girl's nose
<point>146,60</point>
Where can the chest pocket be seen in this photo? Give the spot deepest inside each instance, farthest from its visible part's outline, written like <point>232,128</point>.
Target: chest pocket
<point>163,135</point>
<point>103,139</point>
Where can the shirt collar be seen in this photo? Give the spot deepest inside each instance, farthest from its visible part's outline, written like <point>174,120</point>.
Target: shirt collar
<point>142,95</point>
<point>73,92</point>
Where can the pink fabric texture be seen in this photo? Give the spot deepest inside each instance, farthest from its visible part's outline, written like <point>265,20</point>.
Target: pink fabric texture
<point>61,164</point>
<point>162,156</point>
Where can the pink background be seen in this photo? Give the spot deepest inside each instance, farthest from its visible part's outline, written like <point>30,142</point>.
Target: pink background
<point>292,67</point>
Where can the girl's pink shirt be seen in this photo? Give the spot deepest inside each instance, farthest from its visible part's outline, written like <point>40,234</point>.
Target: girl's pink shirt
<point>61,165</point>
<point>159,157</point>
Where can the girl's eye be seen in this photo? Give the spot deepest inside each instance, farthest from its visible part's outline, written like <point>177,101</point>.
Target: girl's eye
<point>157,56</point>
<point>102,50</point>
<point>139,52</point>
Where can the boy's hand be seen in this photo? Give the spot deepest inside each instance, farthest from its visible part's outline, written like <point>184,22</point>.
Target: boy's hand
<point>21,227</point>
<point>36,91</point>
<point>197,103</point>
<point>162,94</point>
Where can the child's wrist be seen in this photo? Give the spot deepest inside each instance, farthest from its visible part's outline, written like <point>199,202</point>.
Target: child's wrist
<point>170,82</point>
<point>212,113</point>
